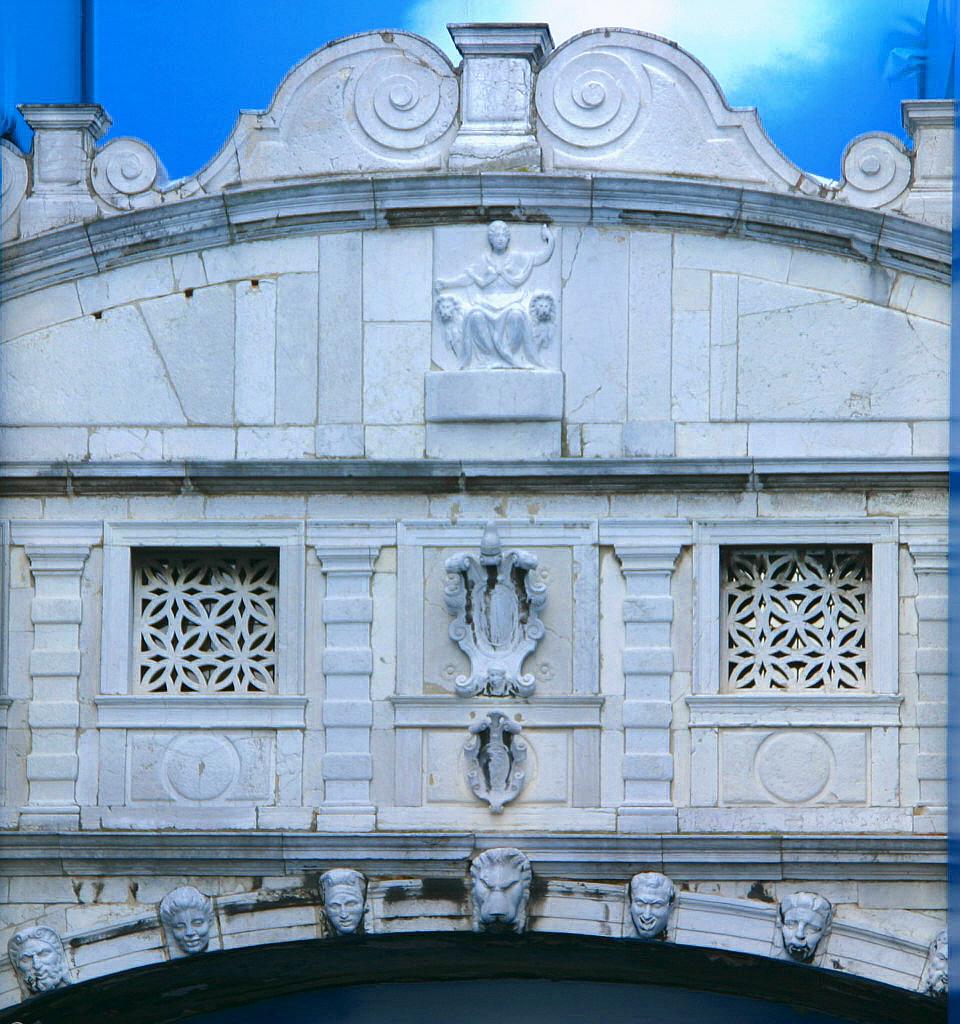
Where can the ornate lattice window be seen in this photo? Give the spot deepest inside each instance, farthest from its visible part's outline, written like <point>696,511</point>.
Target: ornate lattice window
<point>205,621</point>
<point>795,618</point>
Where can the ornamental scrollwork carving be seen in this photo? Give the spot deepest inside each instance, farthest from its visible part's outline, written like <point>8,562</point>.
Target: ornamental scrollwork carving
<point>187,918</point>
<point>493,321</point>
<point>38,958</point>
<point>401,103</point>
<point>593,98</point>
<point>500,886</point>
<point>495,759</point>
<point>804,919</point>
<point>935,978</point>
<point>496,601</point>
<point>124,173</point>
<point>876,169</point>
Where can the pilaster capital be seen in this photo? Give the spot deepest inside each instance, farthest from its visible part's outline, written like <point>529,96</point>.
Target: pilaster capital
<point>646,545</point>
<point>349,546</point>
<point>928,543</point>
<point>54,546</point>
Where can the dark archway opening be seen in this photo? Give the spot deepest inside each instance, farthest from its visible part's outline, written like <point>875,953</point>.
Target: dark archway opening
<point>427,978</point>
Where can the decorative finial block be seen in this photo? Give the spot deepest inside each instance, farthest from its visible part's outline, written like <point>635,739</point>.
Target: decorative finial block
<point>64,142</point>
<point>497,130</point>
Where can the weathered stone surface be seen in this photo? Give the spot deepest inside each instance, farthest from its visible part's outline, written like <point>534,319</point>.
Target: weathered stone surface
<point>195,339</point>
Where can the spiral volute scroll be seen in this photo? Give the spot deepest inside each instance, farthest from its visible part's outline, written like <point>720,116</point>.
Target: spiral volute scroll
<point>876,169</point>
<point>13,183</point>
<point>593,98</point>
<point>123,170</point>
<point>402,104</point>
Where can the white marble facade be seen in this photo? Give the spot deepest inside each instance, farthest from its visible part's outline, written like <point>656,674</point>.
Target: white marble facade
<point>253,420</point>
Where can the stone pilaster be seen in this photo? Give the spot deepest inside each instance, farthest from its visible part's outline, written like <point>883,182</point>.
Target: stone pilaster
<point>647,553</point>
<point>497,130</point>
<point>347,554</point>
<point>57,553</point>
<point>929,549</point>
<point>64,142</point>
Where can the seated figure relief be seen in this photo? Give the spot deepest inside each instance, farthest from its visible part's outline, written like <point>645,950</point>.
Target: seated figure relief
<point>497,322</point>
<point>804,920</point>
<point>38,958</point>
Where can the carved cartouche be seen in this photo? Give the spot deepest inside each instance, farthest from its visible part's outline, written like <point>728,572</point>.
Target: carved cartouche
<point>500,885</point>
<point>496,601</point>
<point>38,958</point>
<point>804,920</point>
<point>651,899</point>
<point>344,898</point>
<point>187,917</point>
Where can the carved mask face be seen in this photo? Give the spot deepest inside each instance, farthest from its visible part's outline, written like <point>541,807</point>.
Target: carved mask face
<point>802,928</point>
<point>344,909</point>
<point>40,965</point>
<point>191,929</point>
<point>650,908</point>
<point>499,895</point>
<point>936,973</point>
<point>498,234</point>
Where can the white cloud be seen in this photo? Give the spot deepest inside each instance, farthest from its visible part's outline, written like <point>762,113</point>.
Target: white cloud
<point>731,37</point>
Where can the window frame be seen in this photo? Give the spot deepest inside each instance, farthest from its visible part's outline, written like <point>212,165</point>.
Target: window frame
<point>121,539</point>
<point>881,535</point>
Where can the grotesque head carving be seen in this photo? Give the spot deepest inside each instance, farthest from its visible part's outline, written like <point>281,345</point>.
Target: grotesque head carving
<point>38,958</point>
<point>804,920</point>
<point>651,900</point>
<point>498,235</point>
<point>501,889</point>
<point>934,981</point>
<point>344,896</point>
<point>187,917</point>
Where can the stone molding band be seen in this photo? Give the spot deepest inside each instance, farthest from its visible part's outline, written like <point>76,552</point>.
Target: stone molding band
<point>420,201</point>
<point>559,855</point>
<point>436,476</point>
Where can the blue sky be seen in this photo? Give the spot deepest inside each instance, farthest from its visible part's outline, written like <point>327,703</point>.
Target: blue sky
<point>177,74</point>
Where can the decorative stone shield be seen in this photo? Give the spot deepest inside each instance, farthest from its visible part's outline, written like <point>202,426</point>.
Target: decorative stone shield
<point>495,757</point>
<point>495,601</point>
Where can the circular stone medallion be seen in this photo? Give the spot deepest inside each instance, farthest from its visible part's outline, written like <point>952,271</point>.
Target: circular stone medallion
<point>794,767</point>
<point>200,767</point>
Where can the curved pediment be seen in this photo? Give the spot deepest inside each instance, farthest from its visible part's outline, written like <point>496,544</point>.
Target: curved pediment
<point>627,101</point>
<point>370,102</point>
<point>608,102</point>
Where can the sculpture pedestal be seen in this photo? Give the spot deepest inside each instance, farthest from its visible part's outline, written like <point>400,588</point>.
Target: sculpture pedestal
<point>493,414</point>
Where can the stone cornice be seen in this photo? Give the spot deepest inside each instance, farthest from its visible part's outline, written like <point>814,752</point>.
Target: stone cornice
<point>555,856</point>
<point>418,200</point>
<point>436,476</point>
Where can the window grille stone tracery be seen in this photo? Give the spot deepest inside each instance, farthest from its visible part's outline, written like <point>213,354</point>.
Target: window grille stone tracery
<point>795,619</point>
<point>205,621</point>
